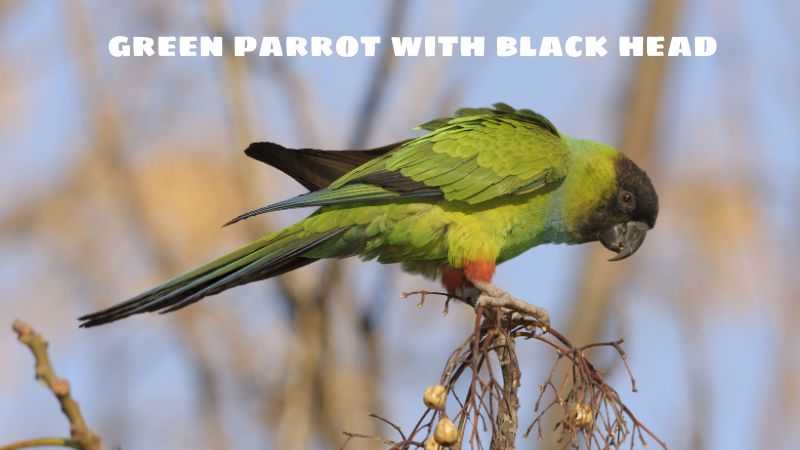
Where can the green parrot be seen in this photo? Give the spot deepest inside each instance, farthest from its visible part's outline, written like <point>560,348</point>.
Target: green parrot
<point>479,189</point>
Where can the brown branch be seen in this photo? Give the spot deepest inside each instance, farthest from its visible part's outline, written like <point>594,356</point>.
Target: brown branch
<point>507,421</point>
<point>82,437</point>
<point>539,314</point>
<point>584,408</point>
<point>42,442</point>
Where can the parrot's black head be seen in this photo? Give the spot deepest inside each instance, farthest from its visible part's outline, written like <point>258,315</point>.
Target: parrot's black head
<point>622,222</point>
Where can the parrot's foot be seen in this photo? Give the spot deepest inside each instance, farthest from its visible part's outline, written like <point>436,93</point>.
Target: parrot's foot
<point>491,295</point>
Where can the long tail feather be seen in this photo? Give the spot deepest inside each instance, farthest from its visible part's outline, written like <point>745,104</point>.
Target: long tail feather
<point>265,258</point>
<point>353,193</point>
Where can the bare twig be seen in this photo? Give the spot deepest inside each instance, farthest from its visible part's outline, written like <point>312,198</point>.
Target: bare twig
<point>584,408</point>
<point>507,421</point>
<point>42,442</point>
<point>81,436</point>
<point>539,314</point>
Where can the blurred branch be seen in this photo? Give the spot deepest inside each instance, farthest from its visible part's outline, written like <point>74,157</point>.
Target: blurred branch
<point>375,92</point>
<point>81,436</point>
<point>699,370</point>
<point>305,109</point>
<point>299,404</point>
<point>107,132</point>
<point>300,101</point>
<point>369,318</point>
<point>307,401</point>
<point>236,92</point>
<point>782,405</point>
<point>107,121</point>
<point>37,210</point>
<point>600,280</point>
<point>310,397</point>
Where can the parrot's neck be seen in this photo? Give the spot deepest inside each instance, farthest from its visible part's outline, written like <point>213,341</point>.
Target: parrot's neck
<point>590,181</point>
<point>561,212</point>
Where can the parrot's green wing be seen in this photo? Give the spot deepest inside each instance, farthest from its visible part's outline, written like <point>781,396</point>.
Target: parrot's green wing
<point>478,155</point>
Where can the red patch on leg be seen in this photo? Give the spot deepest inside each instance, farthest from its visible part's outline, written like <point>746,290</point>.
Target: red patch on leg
<point>480,270</point>
<point>452,279</point>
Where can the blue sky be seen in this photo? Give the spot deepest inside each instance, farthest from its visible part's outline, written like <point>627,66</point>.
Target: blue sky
<point>752,80</point>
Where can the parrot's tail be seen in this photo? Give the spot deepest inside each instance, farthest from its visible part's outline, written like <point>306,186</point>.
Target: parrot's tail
<point>265,258</point>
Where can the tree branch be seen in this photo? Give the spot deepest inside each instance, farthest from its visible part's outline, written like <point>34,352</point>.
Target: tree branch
<point>584,408</point>
<point>42,442</point>
<point>82,437</point>
<point>507,421</point>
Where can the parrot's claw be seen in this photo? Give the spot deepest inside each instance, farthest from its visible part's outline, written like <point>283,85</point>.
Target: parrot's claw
<point>490,289</point>
<point>491,295</point>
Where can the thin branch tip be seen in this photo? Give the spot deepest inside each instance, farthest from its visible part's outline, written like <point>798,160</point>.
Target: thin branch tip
<point>585,408</point>
<point>81,436</point>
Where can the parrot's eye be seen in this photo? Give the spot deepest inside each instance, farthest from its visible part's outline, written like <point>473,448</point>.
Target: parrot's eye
<point>626,201</point>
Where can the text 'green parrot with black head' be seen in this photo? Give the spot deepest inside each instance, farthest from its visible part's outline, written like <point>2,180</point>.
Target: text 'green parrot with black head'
<point>479,189</point>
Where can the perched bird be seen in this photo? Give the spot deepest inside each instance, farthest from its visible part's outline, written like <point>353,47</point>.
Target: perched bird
<point>479,189</point>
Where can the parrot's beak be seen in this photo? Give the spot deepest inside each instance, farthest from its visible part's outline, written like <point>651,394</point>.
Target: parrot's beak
<point>624,238</point>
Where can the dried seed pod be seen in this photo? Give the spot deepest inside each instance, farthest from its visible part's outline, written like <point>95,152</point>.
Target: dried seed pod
<point>435,397</point>
<point>430,444</point>
<point>445,433</point>
<point>580,415</point>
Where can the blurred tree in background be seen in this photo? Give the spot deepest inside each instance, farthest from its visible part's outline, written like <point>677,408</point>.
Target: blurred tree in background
<point>118,173</point>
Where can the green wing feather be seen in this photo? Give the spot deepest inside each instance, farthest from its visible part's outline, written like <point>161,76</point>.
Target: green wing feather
<point>478,155</point>
<point>352,193</point>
